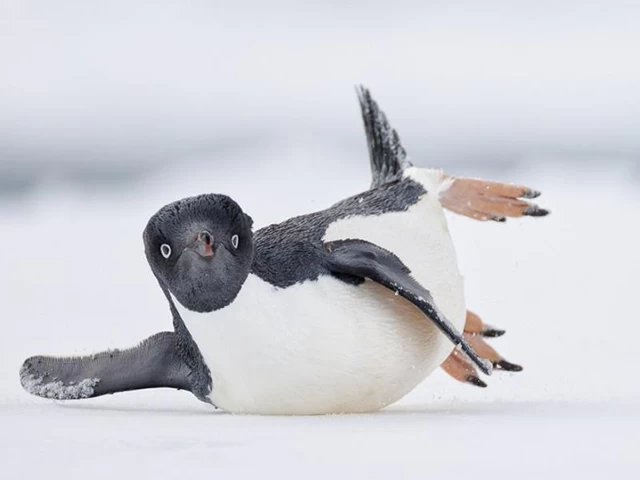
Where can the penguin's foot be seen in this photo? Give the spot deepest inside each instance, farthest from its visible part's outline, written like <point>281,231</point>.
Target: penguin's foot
<point>459,367</point>
<point>484,200</point>
<point>475,325</point>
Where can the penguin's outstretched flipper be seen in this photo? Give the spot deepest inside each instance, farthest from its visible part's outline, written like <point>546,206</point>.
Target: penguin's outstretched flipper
<point>356,260</point>
<point>154,363</point>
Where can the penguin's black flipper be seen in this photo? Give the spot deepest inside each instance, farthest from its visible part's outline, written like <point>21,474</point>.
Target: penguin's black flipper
<point>152,364</point>
<point>355,260</point>
<point>386,153</point>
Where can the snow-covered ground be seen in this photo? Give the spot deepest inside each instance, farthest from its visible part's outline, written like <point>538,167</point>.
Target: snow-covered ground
<point>74,280</point>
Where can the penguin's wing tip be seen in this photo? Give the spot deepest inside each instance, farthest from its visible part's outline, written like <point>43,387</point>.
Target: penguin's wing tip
<point>35,379</point>
<point>153,363</point>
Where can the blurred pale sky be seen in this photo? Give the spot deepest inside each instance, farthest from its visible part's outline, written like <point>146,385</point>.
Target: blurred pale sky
<point>122,83</point>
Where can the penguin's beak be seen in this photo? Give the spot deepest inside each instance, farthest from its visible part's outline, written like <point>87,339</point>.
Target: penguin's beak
<point>203,244</point>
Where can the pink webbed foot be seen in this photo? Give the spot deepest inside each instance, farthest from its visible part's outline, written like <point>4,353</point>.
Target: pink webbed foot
<point>484,200</point>
<point>459,367</point>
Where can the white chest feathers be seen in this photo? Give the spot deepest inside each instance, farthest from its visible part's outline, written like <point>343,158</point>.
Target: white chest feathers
<point>325,346</point>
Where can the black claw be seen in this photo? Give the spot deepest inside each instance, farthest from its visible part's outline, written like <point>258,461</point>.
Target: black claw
<point>499,219</point>
<point>529,193</point>
<point>507,366</point>
<point>492,332</point>
<point>473,380</point>
<point>535,211</point>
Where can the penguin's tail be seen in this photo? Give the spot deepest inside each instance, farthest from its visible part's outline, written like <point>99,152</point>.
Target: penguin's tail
<point>387,155</point>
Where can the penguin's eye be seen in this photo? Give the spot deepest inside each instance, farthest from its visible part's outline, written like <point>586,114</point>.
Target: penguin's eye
<point>165,250</point>
<point>234,241</point>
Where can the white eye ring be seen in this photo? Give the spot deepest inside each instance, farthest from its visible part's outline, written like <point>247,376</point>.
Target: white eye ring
<point>165,250</point>
<point>234,241</point>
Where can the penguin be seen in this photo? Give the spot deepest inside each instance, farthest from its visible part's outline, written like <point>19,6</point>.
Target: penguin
<point>343,310</point>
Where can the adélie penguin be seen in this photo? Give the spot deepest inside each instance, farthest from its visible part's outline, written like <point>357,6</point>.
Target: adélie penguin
<point>343,310</point>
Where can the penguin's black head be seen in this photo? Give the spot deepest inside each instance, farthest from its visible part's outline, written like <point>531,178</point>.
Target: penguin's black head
<point>201,249</point>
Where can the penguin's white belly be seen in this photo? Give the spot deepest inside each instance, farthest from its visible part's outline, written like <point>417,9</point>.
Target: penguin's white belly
<point>326,346</point>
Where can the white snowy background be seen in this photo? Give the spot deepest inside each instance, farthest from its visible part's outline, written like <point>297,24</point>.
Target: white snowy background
<point>110,110</point>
